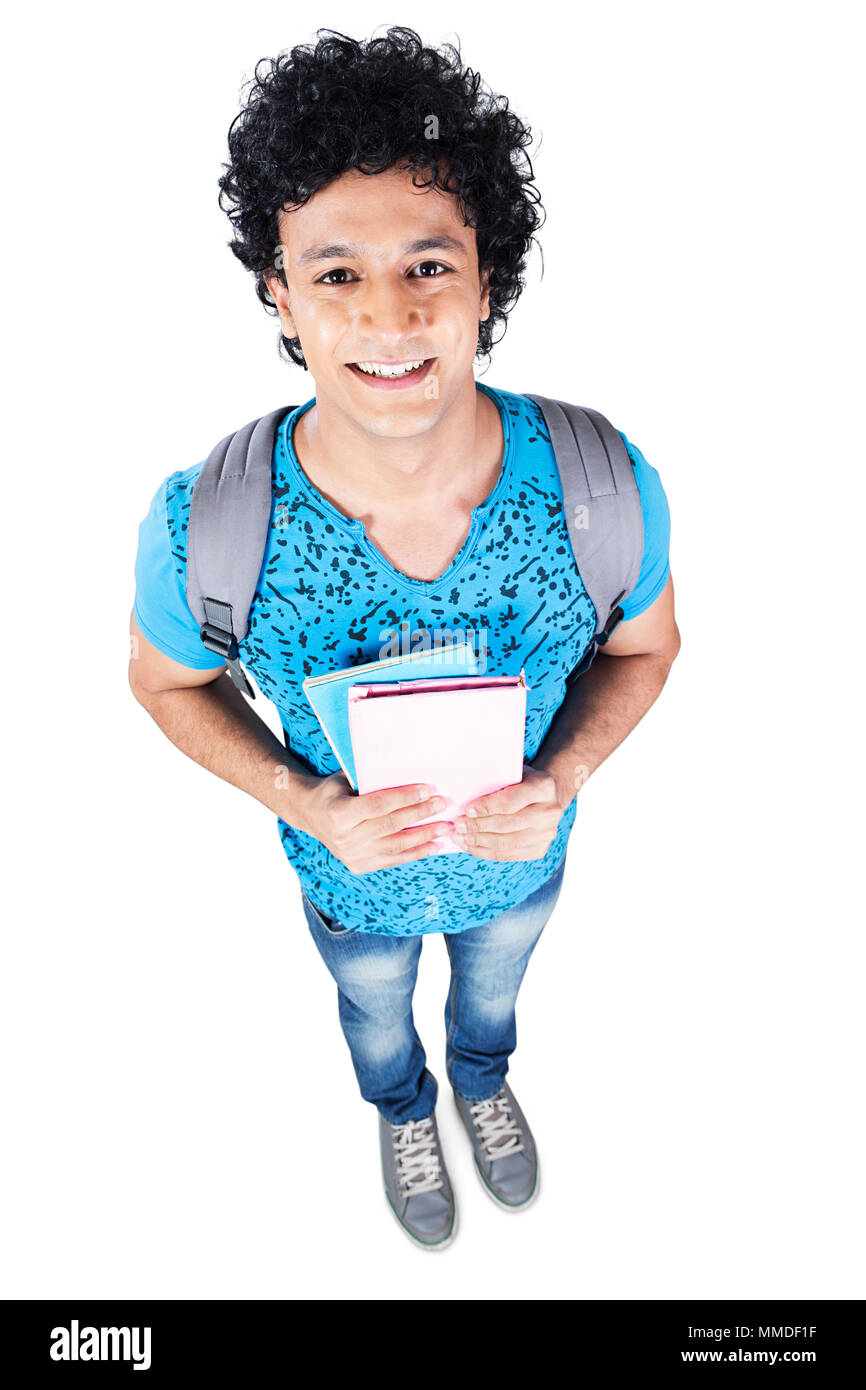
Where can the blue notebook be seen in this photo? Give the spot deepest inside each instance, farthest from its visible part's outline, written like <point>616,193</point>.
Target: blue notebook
<point>329,694</point>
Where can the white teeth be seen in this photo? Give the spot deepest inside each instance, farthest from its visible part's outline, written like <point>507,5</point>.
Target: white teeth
<point>384,370</point>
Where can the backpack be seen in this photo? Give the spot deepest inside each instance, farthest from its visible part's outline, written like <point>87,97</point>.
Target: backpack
<point>230,514</point>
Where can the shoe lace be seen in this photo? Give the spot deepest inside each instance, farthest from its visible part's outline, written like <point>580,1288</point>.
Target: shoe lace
<point>499,1131</point>
<point>417,1157</point>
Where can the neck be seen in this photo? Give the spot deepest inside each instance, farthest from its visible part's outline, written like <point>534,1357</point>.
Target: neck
<point>375,473</point>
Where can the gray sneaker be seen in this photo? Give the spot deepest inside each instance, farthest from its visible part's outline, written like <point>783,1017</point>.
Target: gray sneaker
<point>503,1147</point>
<point>417,1185</point>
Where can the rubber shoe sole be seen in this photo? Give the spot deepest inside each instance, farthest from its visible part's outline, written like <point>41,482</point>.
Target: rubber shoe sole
<point>508,1206</point>
<point>494,1197</point>
<point>423,1244</point>
<point>437,1211</point>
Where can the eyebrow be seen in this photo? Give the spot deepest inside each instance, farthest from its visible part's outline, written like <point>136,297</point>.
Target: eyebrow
<point>351,251</point>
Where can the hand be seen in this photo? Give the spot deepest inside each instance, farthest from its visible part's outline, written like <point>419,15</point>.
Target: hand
<point>369,831</point>
<point>517,822</point>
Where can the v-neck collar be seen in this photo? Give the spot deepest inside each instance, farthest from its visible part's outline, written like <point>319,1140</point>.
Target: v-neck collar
<point>356,528</point>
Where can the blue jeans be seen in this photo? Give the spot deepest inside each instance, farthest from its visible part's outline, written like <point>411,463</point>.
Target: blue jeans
<point>376,977</point>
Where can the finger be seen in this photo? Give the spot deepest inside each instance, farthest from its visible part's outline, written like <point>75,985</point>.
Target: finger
<point>492,846</point>
<point>528,819</point>
<point>417,852</point>
<point>373,805</point>
<point>503,802</point>
<point>534,817</point>
<point>417,835</point>
<point>401,817</point>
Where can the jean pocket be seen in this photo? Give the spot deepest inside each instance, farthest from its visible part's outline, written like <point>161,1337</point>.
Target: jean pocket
<point>329,924</point>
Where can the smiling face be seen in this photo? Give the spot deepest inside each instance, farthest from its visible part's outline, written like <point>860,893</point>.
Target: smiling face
<point>384,274</point>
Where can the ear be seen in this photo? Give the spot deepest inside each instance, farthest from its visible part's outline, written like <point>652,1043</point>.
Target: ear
<point>485,293</point>
<point>280,295</point>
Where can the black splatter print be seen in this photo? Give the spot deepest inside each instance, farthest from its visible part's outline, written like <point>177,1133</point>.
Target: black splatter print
<point>326,599</point>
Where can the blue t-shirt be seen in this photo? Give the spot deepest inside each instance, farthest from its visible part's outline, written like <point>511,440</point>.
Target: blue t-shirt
<point>327,599</point>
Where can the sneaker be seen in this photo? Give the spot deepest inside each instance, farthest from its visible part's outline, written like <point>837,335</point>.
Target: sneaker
<point>417,1185</point>
<point>503,1147</point>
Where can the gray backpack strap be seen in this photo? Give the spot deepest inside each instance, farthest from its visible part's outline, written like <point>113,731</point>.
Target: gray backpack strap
<point>602,508</point>
<point>229,520</point>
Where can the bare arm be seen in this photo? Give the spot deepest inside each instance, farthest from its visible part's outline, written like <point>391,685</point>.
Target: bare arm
<point>208,719</point>
<point>520,821</point>
<point>605,704</point>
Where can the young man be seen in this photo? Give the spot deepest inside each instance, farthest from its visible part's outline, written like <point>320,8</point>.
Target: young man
<point>385,205</point>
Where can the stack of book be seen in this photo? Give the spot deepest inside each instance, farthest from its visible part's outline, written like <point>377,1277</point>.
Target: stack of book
<point>399,721</point>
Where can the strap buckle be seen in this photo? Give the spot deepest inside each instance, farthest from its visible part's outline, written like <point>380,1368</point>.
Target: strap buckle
<point>225,644</point>
<point>216,640</point>
<point>614,618</point>
<point>613,622</point>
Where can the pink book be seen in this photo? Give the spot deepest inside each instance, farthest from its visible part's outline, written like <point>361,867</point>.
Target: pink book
<point>462,736</point>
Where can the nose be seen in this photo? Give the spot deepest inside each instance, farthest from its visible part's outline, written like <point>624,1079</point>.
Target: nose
<point>388,310</point>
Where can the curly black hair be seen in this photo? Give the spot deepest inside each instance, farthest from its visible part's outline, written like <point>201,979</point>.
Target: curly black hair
<point>317,111</point>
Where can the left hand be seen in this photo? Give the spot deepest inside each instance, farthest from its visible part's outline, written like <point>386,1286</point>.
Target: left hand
<point>516,822</point>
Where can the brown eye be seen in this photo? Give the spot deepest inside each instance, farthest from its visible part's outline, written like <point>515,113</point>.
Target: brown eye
<point>341,270</point>
<point>423,264</point>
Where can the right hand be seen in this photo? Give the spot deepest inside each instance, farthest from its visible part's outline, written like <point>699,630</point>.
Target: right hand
<point>373,830</point>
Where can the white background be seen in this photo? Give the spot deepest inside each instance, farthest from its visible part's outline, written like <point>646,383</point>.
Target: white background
<point>180,1112</point>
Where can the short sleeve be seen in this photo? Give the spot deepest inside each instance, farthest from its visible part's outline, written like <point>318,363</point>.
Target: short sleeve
<point>655,566</point>
<point>160,606</point>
